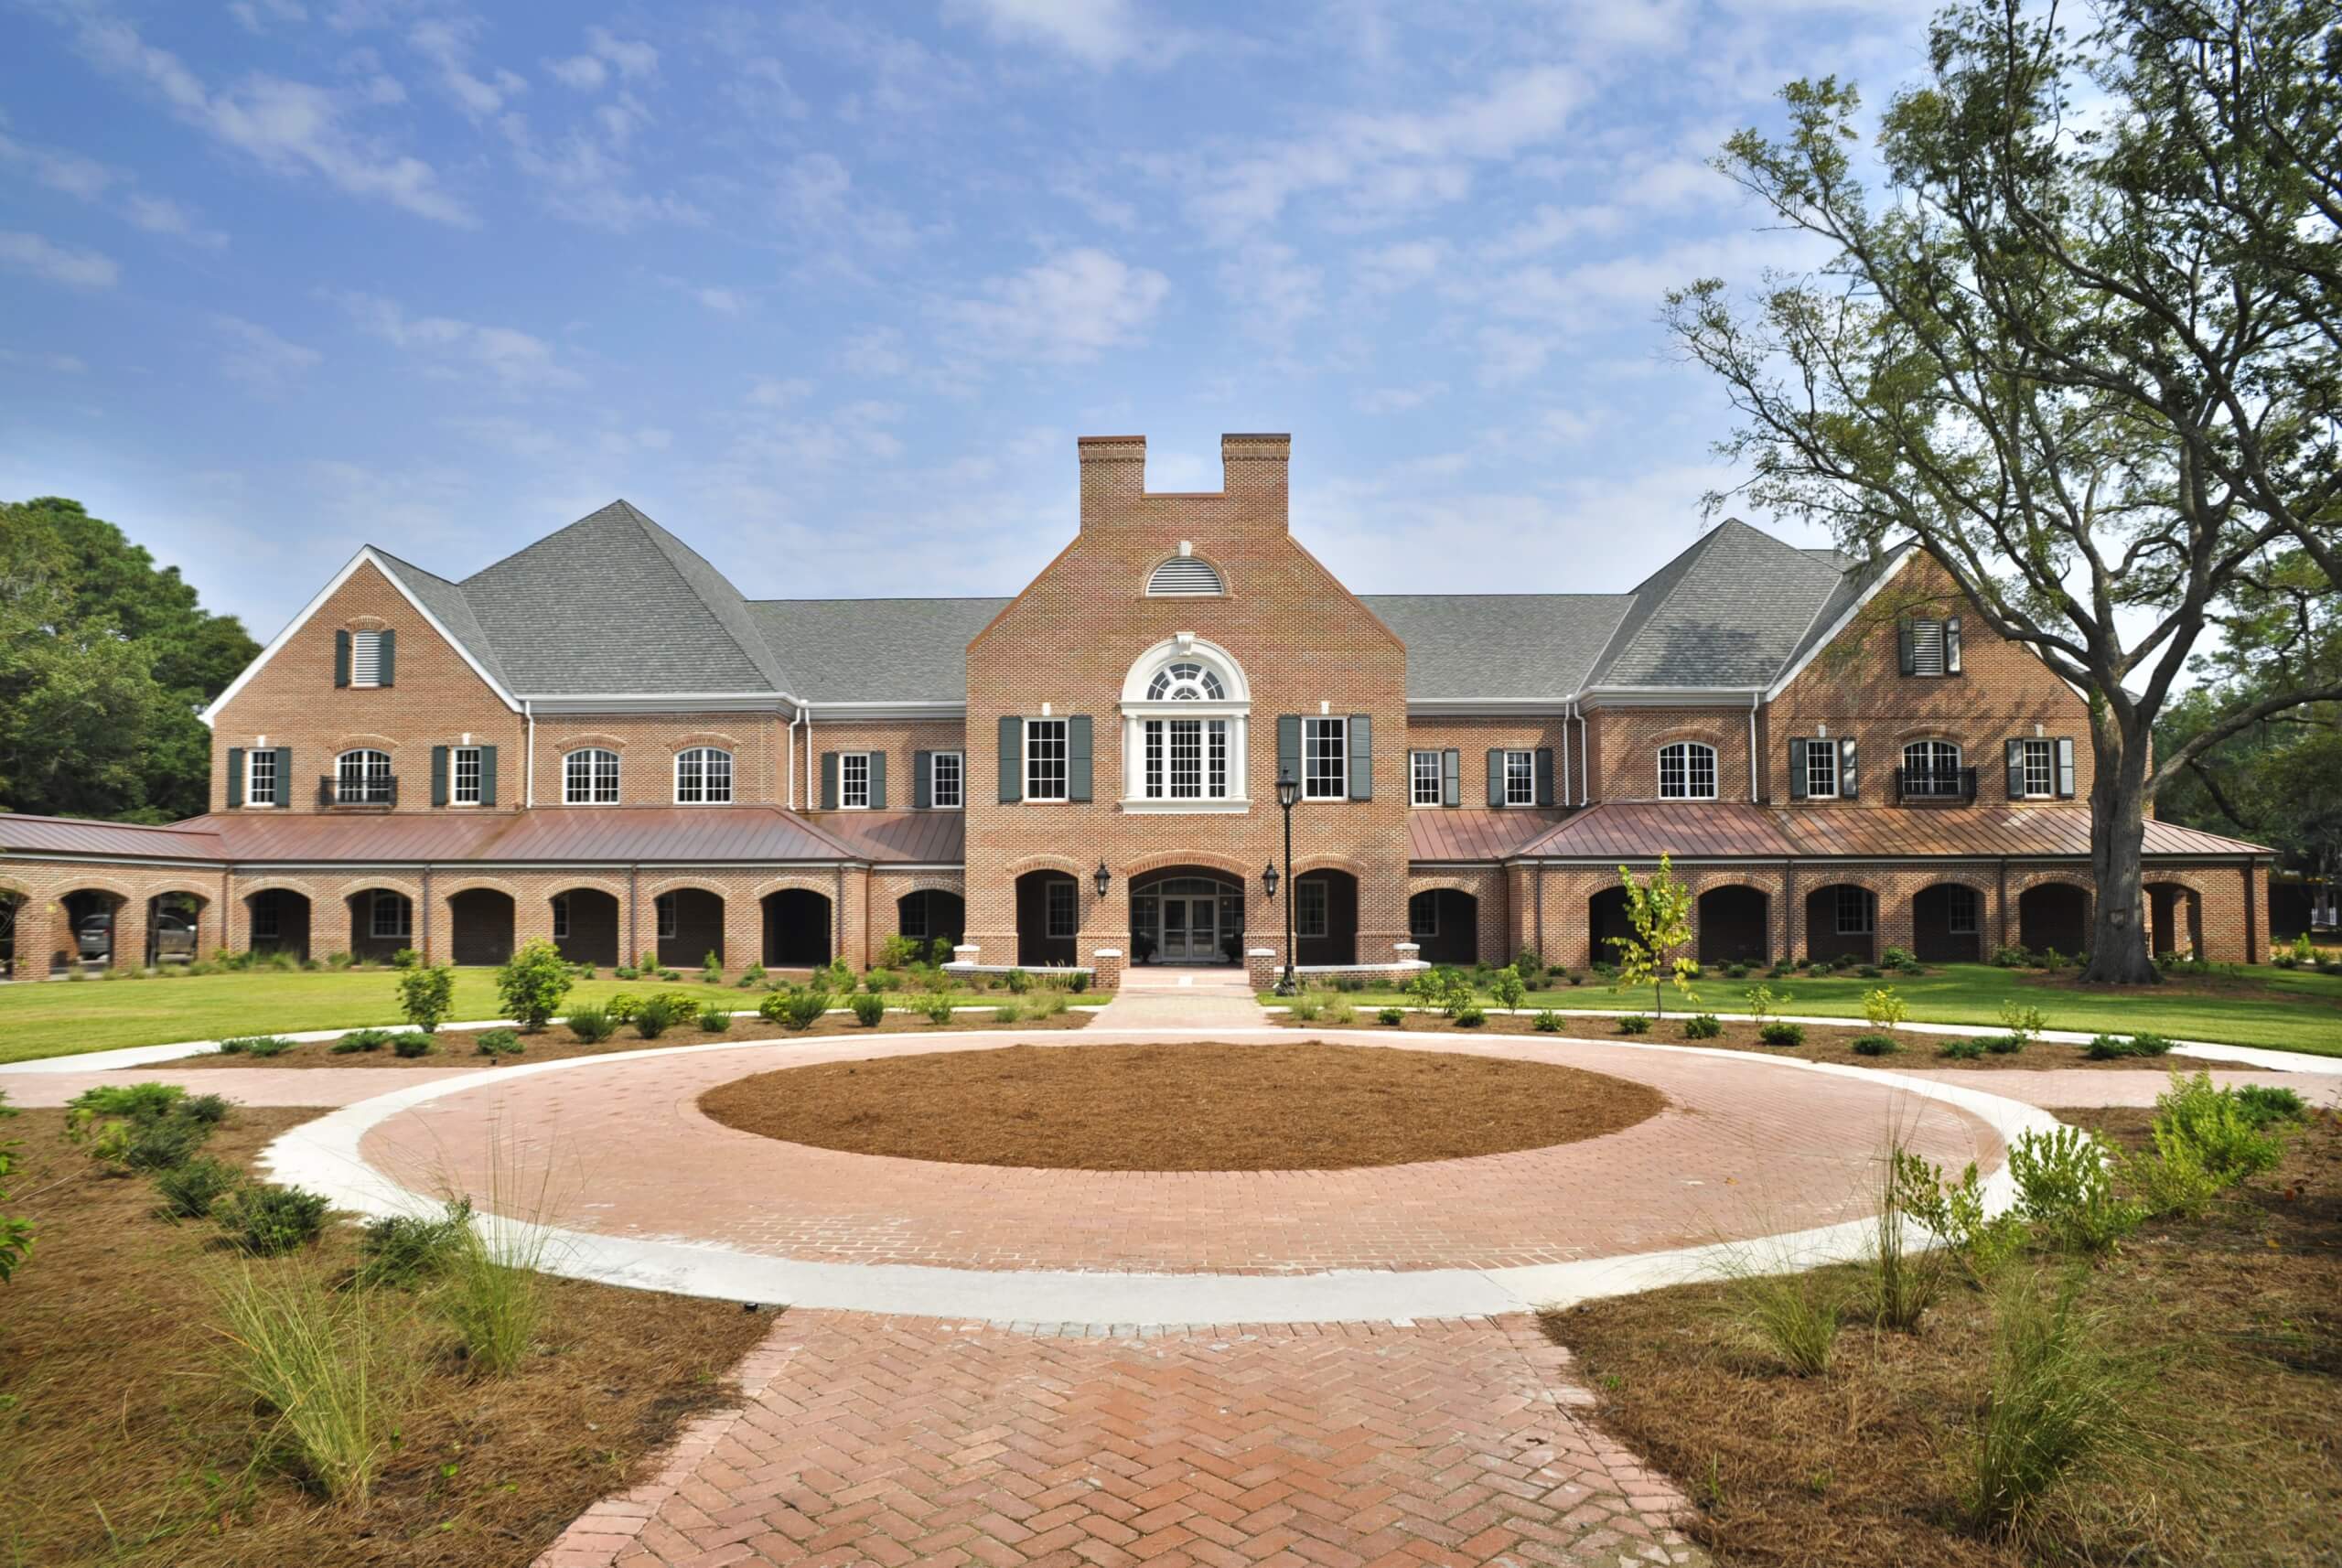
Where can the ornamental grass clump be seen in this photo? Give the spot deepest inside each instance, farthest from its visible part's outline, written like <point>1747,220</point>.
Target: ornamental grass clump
<point>591,1025</point>
<point>328,1363</point>
<point>1905,1278</point>
<point>1795,1314</point>
<point>2060,1403</point>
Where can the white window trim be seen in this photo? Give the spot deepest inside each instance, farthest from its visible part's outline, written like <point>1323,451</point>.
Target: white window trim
<point>1528,758</point>
<point>276,786</point>
<point>731,774</point>
<point>1065,729</point>
<point>1827,748</point>
<point>1341,754</point>
<point>1716,770</point>
<point>374,931</point>
<point>455,755</point>
<point>845,804</point>
<point>959,758</point>
<point>2025,769</point>
<point>1438,777</point>
<point>1235,705</point>
<point>618,786</point>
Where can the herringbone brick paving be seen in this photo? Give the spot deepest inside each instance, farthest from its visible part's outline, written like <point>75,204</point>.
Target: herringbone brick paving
<point>899,1442</point>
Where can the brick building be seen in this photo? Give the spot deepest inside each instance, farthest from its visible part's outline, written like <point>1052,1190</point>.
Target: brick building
<point>599,741</point>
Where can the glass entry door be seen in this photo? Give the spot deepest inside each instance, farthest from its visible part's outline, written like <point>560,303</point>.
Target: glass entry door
<point>1191,929</point>
<point>1186,919</point>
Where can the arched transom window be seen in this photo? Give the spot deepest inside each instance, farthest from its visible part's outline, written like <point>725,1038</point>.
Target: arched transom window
<point>1185,713</point>
<point>362,777</point>
<point>589,776</point>
<point>704,776</point>
<point>1931,767</point>
<point>1184,681</point>
<point>1687,771</point>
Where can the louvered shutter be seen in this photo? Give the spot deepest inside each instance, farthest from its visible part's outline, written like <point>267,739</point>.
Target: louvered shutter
<point>389,670</point>
<point>877,781</point>
<point>1495,777</point>
<point>922,780</point>
<point>235,775</point>
<point>1848,782</point>
<point>438,775</point>
<point>285,776</point>
<point>1012,759</point>
<point>2065,768</point>
<point>829,780</point>
<point>1077,766</point>
<point>1544,774</point>
<point>488,776</point>
<point>1952,646</point>
<point>2016,770</point>
<point>1361,732</point>
<point>341,659</point>
<point>1904,658</point>
<point>1797,771</point>
<point>1289,746</point>
<point>1451,777</point>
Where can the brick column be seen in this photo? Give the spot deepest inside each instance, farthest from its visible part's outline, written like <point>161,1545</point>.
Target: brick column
<point>129,935</point>
<point>37,927</point>
<point>1894,928</point>
<point>1261,968</point>
<point>1106,969</point>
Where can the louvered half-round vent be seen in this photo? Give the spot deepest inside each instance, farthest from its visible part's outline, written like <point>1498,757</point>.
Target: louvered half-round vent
<point>1184,575</point>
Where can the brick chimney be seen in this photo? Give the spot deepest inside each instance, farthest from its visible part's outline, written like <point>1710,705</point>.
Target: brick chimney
<point>1113,475</point>
<point>1254,467</point>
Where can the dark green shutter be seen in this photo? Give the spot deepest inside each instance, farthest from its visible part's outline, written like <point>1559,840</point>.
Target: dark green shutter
<point>235,775</point>
<point>2065,768</point>
<point>389,643</point>
<point>1952,646</point>
<point>1797,771</point>
<point>285,776</point>
<point>1544,774</point>
<point>877,781</point>
<point>829,780</point>
<point>488,776</point>
<point>1076,757</point>
<point>1496,776</point>
<point>1451,777</point>
<point>1904,654</point>
<point>2016,770</point>
<point>438,775</point>
<point>1849,782</point>
<point>1289,746</point>
<point>1361,756</point>
<point>341,659</point>
<point>922,785</point>
<point>1012,759</point>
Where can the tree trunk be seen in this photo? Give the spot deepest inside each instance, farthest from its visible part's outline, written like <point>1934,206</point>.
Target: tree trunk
<point>2118,828</point>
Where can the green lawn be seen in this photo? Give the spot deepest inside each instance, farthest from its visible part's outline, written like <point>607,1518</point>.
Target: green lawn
<point>53,1018</point>
<point>2291,1010</point>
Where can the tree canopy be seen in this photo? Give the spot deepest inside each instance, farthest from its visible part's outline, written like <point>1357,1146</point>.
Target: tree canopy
<point>105,660</point>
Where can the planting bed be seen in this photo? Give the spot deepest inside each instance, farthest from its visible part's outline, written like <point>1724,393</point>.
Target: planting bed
<point>1183,1107</point>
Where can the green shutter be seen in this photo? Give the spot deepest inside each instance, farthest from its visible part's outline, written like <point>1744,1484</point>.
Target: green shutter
<point>1289,746</point>
<point>235,775</point>
<point>1451,777</point>
<point>1797,771</point>
<point>1905,659</point>
<point>2065,768</point>
<point>488,776</point>
<point>1544,774</point>
<point>1012,759</point>
<point>438,775</point>
<point>285,776</point>
<point>1496,776</point>
<point>922,783</point>
<point>341,659</point>
<point>389,643</point>
<point>829,780</point>
<point>1362,735</point>
<point>877,781</point>
<point>1078,770</point>
<point>1849,784</point>
<point>2016,770</point>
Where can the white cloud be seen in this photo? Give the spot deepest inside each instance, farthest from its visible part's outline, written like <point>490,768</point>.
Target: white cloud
<point>1273,288</point>
<point>255,16</point>
<point>285,126</point>
<point>517,361</point>
<point>258,357</point>
<point>605,52</point>
<point>1392,268</point>
<point>1073,306</point>
<point>588,182</point>
<point>86,179</point>
<point>47,259</point>
<point>727,301</point>
<point>63,364</point>
<point>447,44</point>
<point>1550,226</point>
<point>1509,355</point>
<point>1095,32</point>
<point>1400,399</point>
<point>583,72</point>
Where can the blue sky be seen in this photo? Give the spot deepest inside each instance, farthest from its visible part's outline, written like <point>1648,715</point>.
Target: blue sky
<point>829,291</point>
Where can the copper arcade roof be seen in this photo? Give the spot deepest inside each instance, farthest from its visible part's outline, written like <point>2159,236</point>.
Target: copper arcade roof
<point>1728,829</point>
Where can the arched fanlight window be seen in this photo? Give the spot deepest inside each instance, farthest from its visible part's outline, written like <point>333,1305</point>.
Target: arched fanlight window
<point>1184,577</point>
<point>362,777</point>
<point>589,778</point>
<point>1185,682</point>
<point>1687,771</point>
<point>704,776</point>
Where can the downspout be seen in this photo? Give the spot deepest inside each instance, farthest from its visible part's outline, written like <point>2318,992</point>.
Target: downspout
<point>2251,923</point>
<point>1566,772</point>
<point>426,912</point>
<point>2002,898</point>
<point>1752,748</point>
<point>789,765</point>
<point>633,915</point>
<point>1538,915</point>
<point>811,799</point>
<point>528,713</point>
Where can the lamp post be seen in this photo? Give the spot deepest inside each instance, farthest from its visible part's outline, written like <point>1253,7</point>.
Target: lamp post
<point>1288,792</point>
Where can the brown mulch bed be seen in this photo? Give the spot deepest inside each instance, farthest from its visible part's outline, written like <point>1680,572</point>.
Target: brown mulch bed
<point>459,1047</point>
<point>1823,1042</point>
<point>2240,1314</point>
<point>1309,1106</point>
<point>119,1442</point>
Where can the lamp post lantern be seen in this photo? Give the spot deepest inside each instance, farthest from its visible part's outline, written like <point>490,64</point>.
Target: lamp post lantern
<point>1288,792</point>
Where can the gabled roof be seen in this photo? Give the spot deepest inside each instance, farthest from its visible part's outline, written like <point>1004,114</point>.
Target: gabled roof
<point>1492,647</point>
<point>874,650</point>
<point>446,600</point>
<point>1729,611</point>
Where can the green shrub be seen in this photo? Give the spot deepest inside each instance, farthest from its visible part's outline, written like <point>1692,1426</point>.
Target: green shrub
<point>623,971</point>
<point>1393,1017</point>
<point>711,969</point>
<point>2264,1106</point>
<point>1963,1050</point>
<point>2003,1045</point>
<point>146,1101</point>
<point>1896,957</point>
<point>1303,1006</point>
<point>1870,971</point>
<point>2063,1184</point>
<point>327,1362</point>
<point>1509,989</point>
<point>714,1018</point>
<point>358,1040</point>
<point>1546,1022</point>
<point>2199,1124</point>
<point>899,952</point>
<point>655,1016</point>
<point>255,1046</point>
<point>534,985</point>
<point>1442,988</point>
<point>1006,1012</point>
<point>268,1222</point>
<point>1874,1045</point>
<point>2024,1023</point>
<point>1735,971</point>
<point>750,978</point>
<point>622,1007</point>
<point>591,1025</point>
<point>405,958</point>
<point>804,1009</point>
<point>2113,1048</point>
<point>1633,1024</point>
<point>1078,982</point>
<point>1471,1016</point>
<point>497,1043</point>
<point>1953,1212</point>
<point>938,1007</point>
<point>1703,1027</point>
<point>1340,1010</point>
<point>426,992</point>
<point>1781,1034</point>
<point>411,1046</point>
<point>189,1190</point>
<point>1019,983</point>
<point>1883,1009</point>
<point>869,1010</point>
<point>646,963</point>
<point>406,1249</point>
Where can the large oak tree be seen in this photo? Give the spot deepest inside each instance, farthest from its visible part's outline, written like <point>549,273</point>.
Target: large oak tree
<point>2082,348</point>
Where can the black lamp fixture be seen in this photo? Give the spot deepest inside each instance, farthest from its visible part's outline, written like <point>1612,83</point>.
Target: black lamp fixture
<point>1102,876</point>
<point>1288,792</point>
<point>1269,878</point>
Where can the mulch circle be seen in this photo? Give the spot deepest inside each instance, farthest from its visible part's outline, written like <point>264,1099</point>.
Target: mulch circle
<point>1204,1107</point>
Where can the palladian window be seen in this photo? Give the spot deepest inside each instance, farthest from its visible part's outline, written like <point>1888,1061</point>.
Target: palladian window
<point>1184,716</point>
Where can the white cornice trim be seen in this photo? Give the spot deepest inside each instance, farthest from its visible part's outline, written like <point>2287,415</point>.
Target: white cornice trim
<point>1668,696</point>
<point>1489,707</point>
<point>367,555</point>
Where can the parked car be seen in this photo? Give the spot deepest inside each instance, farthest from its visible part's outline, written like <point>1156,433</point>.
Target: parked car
<point>94,935</point>
<point>174,938</point>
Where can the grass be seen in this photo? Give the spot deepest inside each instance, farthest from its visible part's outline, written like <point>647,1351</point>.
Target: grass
<point>324,1362</point>
<point>2289,1010</point>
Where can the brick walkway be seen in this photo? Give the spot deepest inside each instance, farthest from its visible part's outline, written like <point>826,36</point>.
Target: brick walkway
<point>892,1440</point>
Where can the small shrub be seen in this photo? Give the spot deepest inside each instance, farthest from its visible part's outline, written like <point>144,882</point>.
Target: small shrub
<point>750,978</point>
<point>1883,1009</point>
<point>591,1025</point>
<point>406,1249</point>
<point>938,1007</point>
<point>714,1018</point>
<point>1019,983</point>
<point>1509,989</point>
<point>1703,1027</point>
<point>646,963</point>
<point>1007,1012</point>
<point>1781,1034</point>
<point>2024,1023</point>
<point>255,1046</point>
<point>2197,1122</point>
<point>1392,1017</point>
<point>1078,982</point>
<point>623,1007</point>
<point>803,1009</point>
<point>1633,1024</point>
<point>1339,1011</point>
<point>2011,958</point>
<point>189,1190</point>
<point>2115,1048</point>
<point>1471,1016</point>
<point>1735,971</point>
<point>868,1010</point>
<point>1304,1006</point>
<point>1963,1050</point>
<point>497,1043</point>
<point>426,992</point>
<point>269,1222</point>
<point>405,958</point>
<point>1874,1045</point>
<point>2004,1044</point>
<point>1870,971</point>
<point>655,1016</point>
<point>623,971</point>
<point>2063,1184</point>
<point>711,969</point>
<point>1573,979</point>
<point>534,985</point>
<point>1898,958</point>
<point>358,1040</point>
<point>2264,1106</point>
<point>411,1046</point>
<point>1547,1022</point>
<point>1953,1212</point>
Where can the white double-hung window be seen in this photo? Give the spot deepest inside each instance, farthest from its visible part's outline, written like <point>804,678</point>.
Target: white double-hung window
<point>945,790</point>
<point>1185,713</point>
<point>1325,759</point>
<point>1424,778</point>
<point>1045,760</point>
<point>854,781</point>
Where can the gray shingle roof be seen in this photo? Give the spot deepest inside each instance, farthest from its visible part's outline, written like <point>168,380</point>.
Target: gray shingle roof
<point>448,601</point>
<point>1726,612</point>
<point>1487,647</point>
<point>876,650</point>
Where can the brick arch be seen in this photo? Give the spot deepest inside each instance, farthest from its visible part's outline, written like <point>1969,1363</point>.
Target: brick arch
<point>1723,942</point>
<point>1824,938</point>
<point>586,883</point>
<point>1164,860</point>
<point>306,888</point>
<point>410,885</point>
<point>2020,881</point>
<point>366,623</point>
<point>93,884</point>
<point>585,738</point>
<point>930,881</point>
<point>707,738</point>
<point>1932,940</point>
<point>686,884</point>
<point>802,882</point>
<point>364,743</point>
<point>1031,863</point>
<point>1452,882</point>
<point>1307,864</point>
<point>1933,730</point>
<point>474,884</point>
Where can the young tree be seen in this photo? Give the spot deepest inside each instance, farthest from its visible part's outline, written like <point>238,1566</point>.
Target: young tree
<point>2089,368</point>
<point>426,995</point>
<point>534,984</point>
<point>1660,914</point>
